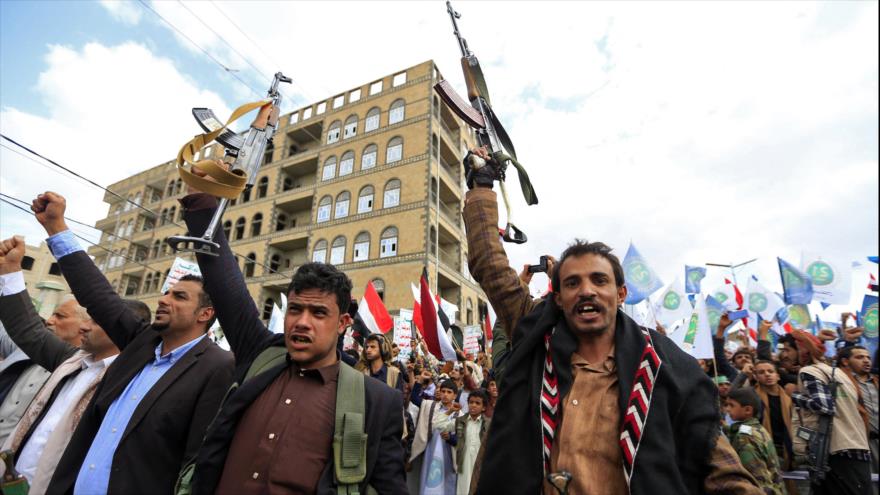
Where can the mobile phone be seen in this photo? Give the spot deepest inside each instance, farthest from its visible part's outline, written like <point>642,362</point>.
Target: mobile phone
<point>540,267</point>
<point>738,315</point>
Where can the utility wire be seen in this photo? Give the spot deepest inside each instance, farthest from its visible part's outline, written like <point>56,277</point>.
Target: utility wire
<point>71,172</point>
<point>265,54</point>
<point>237,255</point>
<point>10,203</point>
<point>178,31</point>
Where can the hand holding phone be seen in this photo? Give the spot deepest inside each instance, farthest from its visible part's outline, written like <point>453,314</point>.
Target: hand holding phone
<point>540,267</point>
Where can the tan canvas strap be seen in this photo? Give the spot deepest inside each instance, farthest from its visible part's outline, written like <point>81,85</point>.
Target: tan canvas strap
<point>226,184</point>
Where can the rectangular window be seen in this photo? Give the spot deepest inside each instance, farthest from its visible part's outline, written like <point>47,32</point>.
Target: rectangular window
<point>375,88</point>
<point>294,118</point>
<point>350,130</point>
<point>365,204</point>
<point>392,198</point>
<point>346,166</point>
<point>388,247</point>
<point>398,79</point>
<point>208,151</point>
<point>307,113</point>
<point>338,101</point>
<point>332,136</point>
<point>355,95</point>
<point>368,160</point>
<point>393,153</point>
<point>395,115</point>
<point>323,213</point>
<point>337,255</point>
<point>361,251</point>
<point>329,172</point>
<point>321,108</point>
<point>372,123</point>
<point>341,209</point>
<point>319,256</point>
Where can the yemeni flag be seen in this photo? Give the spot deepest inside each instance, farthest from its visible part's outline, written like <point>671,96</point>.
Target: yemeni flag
<point>372,312</point>
<point>434,323</point>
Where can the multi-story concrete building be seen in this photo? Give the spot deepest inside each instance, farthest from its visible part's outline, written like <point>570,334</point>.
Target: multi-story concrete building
<point>369,180</point>
<point>43,279</point>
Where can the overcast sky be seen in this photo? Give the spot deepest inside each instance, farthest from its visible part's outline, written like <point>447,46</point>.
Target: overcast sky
<point>700,131</point>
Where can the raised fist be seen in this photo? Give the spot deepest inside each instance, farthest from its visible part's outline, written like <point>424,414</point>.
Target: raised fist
<point>49,209</point>
<point>480,169</point>
<point>11,254</point>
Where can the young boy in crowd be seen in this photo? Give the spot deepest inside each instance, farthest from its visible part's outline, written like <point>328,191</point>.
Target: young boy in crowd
<point>752,442</point>
<point>431,458</point>
<point>470,430</point>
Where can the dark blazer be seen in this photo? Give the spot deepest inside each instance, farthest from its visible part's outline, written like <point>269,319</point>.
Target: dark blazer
<point>170,422</point>
<point>248,337</point>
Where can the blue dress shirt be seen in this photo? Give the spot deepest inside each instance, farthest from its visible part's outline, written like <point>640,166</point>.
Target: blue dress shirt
<point>63,243</point>
<point>94,474</point>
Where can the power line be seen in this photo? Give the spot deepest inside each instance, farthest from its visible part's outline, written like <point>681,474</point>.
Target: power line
<point>178,31</point>
<point>10,203</point>
<point>71,172</point>
<point>265,54</point>
<point>237,255</point>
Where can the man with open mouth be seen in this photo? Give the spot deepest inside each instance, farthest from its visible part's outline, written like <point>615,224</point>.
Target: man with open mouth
<point>276,430</point>
<point>591,402</point>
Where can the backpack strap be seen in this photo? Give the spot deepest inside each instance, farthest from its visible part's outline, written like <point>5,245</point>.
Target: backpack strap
<point>349,438</point>
<point>270,357</point>
<point>392,372</point>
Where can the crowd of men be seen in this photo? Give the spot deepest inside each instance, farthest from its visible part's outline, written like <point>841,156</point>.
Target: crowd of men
<point>105,397</point>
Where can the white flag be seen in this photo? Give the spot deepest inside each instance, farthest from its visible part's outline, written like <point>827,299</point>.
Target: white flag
<point>696,337</point>
<point>832,279</point>
<point>673,304</point>
<point>763,301</point>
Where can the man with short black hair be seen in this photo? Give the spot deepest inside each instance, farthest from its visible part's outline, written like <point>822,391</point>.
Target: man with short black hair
<point>161,392</point>
<point>45,428</point>
<point>849,453</point>
<point>275,431</point>
<point>436,424</point>
<point>856,361</point>
<point>580,368</point>
<point>376,359</point>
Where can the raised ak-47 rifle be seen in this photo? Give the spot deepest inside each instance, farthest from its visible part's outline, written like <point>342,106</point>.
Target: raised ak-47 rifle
<point>490,133</point>
<point>246,153</point>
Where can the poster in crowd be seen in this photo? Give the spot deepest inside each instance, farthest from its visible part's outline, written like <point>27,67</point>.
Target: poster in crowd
<point>180,269</point>
<point>403,336</point>
<point>471,339</point>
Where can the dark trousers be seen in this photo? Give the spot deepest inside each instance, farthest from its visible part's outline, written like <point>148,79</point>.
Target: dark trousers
<point>847,477</point>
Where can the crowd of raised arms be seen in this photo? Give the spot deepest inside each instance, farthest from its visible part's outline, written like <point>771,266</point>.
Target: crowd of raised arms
<point>111,396</point>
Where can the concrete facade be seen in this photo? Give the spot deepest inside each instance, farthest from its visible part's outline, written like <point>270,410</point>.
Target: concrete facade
<point>43,279</point>
<point>369,179</point>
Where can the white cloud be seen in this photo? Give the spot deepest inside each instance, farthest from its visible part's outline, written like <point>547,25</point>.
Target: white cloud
<point>125,11</point>
<point>112,112</point>
<point>701,131</point>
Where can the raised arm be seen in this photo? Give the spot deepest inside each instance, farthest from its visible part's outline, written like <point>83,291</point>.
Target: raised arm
<point>488,262</point>
<point>722,365</point>
<point>23,325</point>
<point>225,284</point>
<point>89,286</point>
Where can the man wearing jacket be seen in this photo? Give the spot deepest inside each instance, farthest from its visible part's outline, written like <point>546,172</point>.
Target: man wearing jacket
<point>21,377</point>
<point>275,431</point>
<point>150,411</point>
<point>580,369</point>
<point>44,430</point>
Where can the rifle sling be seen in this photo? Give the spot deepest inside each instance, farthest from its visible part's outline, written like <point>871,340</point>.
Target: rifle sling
<point>226,184</point>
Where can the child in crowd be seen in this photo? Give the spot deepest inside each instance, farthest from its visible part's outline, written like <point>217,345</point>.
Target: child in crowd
<point>470,431</point>
<point>431,458</point>
<point>752,442</point>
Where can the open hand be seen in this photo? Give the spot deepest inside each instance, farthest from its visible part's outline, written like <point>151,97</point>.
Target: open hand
<point>11,254</point>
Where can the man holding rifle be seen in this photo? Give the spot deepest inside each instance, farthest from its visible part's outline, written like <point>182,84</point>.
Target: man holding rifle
<point>281,428</point>
<point>591,400</point>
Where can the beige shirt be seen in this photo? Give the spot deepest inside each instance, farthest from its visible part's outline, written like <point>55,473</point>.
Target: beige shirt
<point>848,429</point>
<point>586,443</point>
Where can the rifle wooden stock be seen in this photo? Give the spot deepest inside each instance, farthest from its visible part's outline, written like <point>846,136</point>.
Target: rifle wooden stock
<point>463,109</point>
